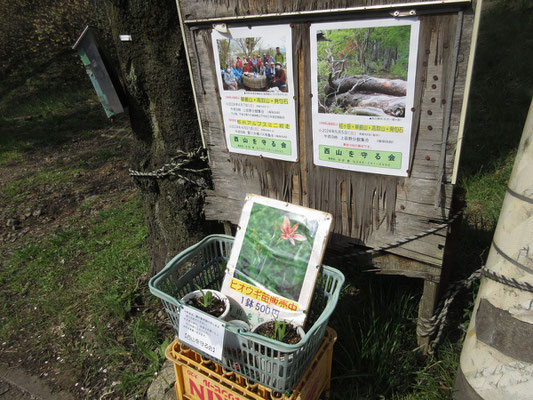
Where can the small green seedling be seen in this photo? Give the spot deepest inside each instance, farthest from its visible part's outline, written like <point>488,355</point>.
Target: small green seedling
<point>207,298</point>
<point>280,330</point>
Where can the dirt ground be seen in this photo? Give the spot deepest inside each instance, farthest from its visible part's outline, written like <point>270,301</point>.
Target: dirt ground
<point>40,209</point>
<point>47,207</point>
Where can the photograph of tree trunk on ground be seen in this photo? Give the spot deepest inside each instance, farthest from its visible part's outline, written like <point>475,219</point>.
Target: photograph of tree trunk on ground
<point>363,71</point>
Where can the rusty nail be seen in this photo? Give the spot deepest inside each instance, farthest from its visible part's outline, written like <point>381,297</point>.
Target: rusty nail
<point>430,112</point>
<point>435,78</point>
<point>433,99</point>
<point>294,97</point>
<point>433,86</point>
<point>310,94</point>
<point>402,207</point>
<point>292,25</point>
<point>428,158</point>
<point>427,51</point>
<point>445,45</point>
<point>443,101</point>
<point>430,128</point>
<point>423,79</point>
<point>425,63</point>
<point>210,30</point>
<point>413,109</point>
<point>249,26</point>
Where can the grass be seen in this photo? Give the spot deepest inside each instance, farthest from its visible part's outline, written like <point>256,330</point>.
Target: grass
<point>82,289</point>
<point>76,299</point>
<point>52,106</point>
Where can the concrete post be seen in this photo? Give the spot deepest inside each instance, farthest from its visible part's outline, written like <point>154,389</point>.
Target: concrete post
<point>497,356</point>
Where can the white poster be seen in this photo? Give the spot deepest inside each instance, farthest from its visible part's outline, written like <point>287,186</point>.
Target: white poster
<point>363,84</point>
<point>254,72</point>
<point>273,266</point>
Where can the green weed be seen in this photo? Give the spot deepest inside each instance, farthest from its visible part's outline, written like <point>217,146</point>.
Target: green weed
<point>79,289</point>
<point>374,355</point>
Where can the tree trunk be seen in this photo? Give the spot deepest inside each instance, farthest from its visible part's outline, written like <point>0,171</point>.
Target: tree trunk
<point>365,83</point>
<point>161,108</point>
<point>390,105</point>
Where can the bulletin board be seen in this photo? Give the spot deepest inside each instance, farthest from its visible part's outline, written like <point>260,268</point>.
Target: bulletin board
<point>400,181</point>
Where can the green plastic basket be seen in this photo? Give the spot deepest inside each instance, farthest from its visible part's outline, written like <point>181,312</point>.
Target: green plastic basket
<point>273,364</point>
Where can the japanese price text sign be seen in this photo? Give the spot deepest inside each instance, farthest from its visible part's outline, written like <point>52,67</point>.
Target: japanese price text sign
<point>273,265</point>
<point>363,83</point>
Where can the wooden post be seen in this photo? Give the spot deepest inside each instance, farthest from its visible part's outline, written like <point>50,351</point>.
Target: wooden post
<point>425,311</point>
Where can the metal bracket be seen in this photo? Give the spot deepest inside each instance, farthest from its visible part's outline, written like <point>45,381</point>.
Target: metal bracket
<point>399,14</point>
<point>222,28</point>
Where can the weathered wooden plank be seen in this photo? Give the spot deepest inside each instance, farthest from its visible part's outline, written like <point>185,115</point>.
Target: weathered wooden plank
<point>192,10</point>
<point>342,253</point>
<point>462,65</point>
<point>321,187</point>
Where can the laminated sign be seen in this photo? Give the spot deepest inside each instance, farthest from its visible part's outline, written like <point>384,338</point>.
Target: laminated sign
<point>275,259</point>
<point>363,82</point>
<point>255,78</point>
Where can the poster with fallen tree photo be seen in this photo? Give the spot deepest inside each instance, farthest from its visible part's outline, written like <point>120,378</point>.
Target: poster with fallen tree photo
<point>363,71</point>
<point>363,75</point>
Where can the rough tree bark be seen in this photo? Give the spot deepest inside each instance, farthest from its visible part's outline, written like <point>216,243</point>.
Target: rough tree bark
<point>161,107</point>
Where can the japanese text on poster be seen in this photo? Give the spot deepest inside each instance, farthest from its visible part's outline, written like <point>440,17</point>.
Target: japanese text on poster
<point>254,73</point>
<point>201,331</point>
<point>363,83</point>
<point>272,268</point>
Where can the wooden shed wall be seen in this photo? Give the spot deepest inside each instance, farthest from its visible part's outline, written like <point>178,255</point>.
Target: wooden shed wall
<point>369,209</point>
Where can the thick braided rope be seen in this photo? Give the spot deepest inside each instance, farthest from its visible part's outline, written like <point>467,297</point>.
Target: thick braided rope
<point>438,320</point>
<point>506,281</point>
<point>428,326</point>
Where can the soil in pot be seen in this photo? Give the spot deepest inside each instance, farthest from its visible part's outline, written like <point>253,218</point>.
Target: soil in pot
<point>268,329</point>
<point>216,308</point>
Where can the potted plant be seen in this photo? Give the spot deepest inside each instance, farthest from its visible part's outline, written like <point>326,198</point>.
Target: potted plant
<point>282,331</point>
<point>210,301</point>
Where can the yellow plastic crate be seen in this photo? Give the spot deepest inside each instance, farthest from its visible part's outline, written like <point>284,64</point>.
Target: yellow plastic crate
<point>198,378</point>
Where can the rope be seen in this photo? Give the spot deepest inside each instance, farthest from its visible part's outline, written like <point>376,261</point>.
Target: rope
<point>506,281</point>
<point>437,322</point>
<point>179,164</point>
<point>406,239</point>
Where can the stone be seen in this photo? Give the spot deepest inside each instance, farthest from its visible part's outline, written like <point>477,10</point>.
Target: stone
<point>162,388</point>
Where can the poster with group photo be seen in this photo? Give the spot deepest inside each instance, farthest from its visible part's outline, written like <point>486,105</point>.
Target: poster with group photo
<point>254,73</point>
<point>363,83</point>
